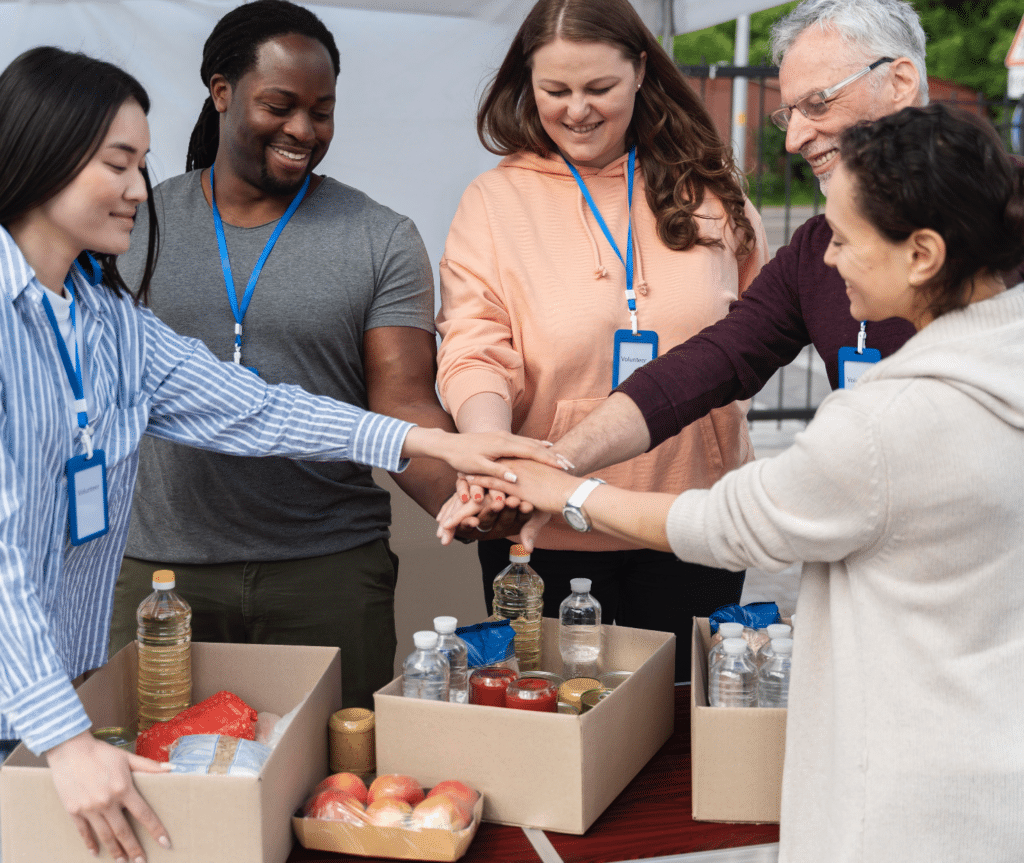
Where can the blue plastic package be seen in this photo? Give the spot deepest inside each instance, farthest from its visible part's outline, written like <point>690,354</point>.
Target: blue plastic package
<point>754,615</point>
<point>489,642</point>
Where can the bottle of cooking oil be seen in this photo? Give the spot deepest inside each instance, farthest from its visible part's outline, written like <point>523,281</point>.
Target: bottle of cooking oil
<point>165,654</point>
<point>519,598</point>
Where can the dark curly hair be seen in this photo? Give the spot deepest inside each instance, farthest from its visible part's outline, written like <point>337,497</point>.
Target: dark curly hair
<point>56,108</point>
<point>231,49</point>
<point>679,150</point>
<point>944,169</point>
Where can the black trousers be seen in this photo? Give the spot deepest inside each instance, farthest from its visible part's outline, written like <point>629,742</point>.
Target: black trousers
<point>642,589</point>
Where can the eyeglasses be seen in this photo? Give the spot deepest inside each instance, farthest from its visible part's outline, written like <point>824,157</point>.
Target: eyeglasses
<point>816,104</point>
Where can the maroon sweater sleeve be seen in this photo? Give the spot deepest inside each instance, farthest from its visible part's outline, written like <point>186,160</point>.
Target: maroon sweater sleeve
<point>795,300</point>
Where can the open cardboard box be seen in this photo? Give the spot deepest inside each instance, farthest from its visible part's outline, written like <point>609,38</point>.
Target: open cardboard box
<point>394,842</point>
<point>210,819</point>
<point>546,770</point>
<point>736,753</point>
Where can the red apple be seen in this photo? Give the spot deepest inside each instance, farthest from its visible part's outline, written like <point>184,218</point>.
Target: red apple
<point>335,805</point>
<point>442,813</point>
<point>347,782</point>
<point>388,812</point>
<point>457,791</point>
<point>395,785</point>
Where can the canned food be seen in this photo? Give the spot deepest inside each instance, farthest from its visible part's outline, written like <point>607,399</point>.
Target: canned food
<point>611,679</point>
<point>119,736</point>
<point>590,699</point>
<point>574,687</point>
<point>568,709</point>
<point>549,676</point>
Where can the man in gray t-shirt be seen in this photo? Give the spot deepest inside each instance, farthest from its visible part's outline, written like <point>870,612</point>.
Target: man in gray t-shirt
<point>274,550</point>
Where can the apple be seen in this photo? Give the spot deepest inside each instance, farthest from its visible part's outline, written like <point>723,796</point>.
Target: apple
<point>334,805</point>
<point>457,791</point>
<point>388,812</point>
<point>395,785</point>
<point>347,782</point>
<point>440,812</point>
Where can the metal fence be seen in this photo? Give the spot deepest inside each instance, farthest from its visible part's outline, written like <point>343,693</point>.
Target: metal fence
<point>780,188</point>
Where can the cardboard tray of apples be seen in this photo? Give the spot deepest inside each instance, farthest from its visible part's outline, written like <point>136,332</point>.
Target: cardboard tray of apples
<point>394,817</point>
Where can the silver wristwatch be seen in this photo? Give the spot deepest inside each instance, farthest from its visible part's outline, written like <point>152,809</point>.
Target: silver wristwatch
<point>572,512</point>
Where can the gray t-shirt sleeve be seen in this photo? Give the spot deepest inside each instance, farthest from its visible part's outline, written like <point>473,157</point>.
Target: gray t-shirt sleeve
<point>404,291</point>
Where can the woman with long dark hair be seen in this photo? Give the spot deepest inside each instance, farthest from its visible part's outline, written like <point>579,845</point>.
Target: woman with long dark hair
<point>84,373</point>
<point>615,228</point>
<point>902,499</point>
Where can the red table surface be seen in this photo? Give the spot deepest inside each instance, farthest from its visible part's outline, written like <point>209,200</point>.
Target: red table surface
<point>650,818</point>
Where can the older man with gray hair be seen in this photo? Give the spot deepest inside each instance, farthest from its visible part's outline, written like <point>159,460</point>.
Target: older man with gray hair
<point>841,62</point>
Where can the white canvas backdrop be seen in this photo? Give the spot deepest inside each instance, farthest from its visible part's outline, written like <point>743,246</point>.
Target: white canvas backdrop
<point>411,74</point>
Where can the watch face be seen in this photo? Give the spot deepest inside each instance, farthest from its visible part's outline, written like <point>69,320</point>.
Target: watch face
<point>576,519</point>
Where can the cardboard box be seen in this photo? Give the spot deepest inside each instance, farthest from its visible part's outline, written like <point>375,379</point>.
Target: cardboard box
<point>736,753</point>
<point>394,842</point>
<point>210,819</point>
<point>545,770</point>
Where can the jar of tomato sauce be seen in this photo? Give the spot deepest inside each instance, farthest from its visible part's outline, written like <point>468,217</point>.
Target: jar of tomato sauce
<point>532,693</point>
<point>487,686</point>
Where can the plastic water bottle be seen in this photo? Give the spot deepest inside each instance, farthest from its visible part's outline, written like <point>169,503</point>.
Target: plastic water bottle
<point>733,680</point>
<point>519,598</point>
<point>774,630</point>
<point>579,631</point>
<point>453,649</point>
<point>726,630</point>
<point>164,641</point>
<point>773,678</point>
<point>425,673</point>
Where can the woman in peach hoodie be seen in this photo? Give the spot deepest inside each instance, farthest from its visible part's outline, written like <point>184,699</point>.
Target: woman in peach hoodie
<point>615,228</point>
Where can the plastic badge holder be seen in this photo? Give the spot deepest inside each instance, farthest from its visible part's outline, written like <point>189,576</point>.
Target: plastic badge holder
<point>755,615</point>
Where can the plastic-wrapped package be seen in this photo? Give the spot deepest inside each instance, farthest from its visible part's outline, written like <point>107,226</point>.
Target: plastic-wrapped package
<point>491,643</point>
<point>398,818</point>
<point>222,713</point>
<point>218,755</point>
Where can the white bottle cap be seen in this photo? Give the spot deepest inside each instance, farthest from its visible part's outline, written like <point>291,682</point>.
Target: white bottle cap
<point>518,554</point>
<point>425,639</point>
<point>580,585</point>
<point>734,646</point>
<point>782,645</point>
<point>731,630</point>
<point>779,630</point>
<point>163,579</point>
<point>445,625</point>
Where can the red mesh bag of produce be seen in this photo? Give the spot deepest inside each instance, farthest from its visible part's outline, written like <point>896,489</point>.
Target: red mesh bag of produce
<point>223,713</point>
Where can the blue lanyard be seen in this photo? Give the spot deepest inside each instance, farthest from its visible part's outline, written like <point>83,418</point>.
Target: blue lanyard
<point>628,261</point>
<point>225,263</point>
<point>72,369</point>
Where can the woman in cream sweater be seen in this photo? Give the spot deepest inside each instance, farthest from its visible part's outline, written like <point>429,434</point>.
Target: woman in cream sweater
<point>903,500</point>
<point>616,219</point>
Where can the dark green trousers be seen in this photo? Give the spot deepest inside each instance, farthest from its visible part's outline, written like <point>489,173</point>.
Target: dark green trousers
<point>344,600</point>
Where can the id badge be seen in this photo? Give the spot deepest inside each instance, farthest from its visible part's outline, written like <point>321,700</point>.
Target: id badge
<point>87,497</point>
<point>631,352</point>
<point>852,365</point>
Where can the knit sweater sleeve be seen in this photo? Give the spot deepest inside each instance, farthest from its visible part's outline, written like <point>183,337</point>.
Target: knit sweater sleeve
<point>477,352</point>
<point>733,358</point>
<point>820,501</point>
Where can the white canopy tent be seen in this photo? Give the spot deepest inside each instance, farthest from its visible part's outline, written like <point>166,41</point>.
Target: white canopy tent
<point>411,74</point>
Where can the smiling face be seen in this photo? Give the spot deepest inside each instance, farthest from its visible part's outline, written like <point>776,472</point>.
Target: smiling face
<point>278,120</point>
<point>96,210</point>
<point>817,60</point>
<point>876,270</point>
<point>585,93</point>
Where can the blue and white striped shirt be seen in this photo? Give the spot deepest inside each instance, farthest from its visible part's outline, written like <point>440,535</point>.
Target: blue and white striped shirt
<point>55,598</point>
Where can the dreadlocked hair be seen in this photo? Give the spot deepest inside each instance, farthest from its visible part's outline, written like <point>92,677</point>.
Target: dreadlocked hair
<point>231,51</point>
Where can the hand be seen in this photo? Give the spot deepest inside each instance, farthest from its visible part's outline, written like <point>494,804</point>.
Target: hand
<point>94,784</point>
<point>546,488</point>
<point>477,453</point>
<point>491,517</point>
